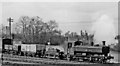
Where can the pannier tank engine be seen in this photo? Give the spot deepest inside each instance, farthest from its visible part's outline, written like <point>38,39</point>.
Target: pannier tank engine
<point>79,52</point>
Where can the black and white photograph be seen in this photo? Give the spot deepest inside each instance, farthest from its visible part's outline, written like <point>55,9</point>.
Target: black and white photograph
<point>59,33</point>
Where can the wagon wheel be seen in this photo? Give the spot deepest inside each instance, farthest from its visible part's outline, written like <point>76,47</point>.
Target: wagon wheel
<point>94,60</point>
<point>90,59</point>
<point>102,61</point>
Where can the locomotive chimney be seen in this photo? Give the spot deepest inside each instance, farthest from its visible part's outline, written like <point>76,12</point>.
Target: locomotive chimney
<point>103,43</point>
<point>92,43</point>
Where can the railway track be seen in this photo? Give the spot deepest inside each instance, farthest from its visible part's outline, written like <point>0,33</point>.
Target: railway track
<point>15,58</point>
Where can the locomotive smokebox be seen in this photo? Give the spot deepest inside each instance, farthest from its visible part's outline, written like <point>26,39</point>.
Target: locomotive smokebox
<point>103,42</point>
<point>105,49</point>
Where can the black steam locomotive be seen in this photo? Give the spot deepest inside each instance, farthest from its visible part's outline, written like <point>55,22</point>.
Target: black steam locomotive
<point>94,53</point>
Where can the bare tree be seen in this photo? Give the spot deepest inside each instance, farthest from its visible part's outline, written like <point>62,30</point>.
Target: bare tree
<point>34,29</point>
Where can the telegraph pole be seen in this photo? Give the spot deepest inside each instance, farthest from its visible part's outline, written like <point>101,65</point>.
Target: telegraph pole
<point>2,48</point>
<point>10,20</point>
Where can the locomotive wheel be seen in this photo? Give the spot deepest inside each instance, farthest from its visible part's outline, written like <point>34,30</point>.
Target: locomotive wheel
<point>101,60</point>
<point>94,60</point>
<point>68,58</point>
<point>104,61</point>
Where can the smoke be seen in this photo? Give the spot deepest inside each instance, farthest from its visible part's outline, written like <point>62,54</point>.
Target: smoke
<point>104,29</point>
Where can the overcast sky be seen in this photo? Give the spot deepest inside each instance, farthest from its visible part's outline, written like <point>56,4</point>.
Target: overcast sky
<point>72,16</point>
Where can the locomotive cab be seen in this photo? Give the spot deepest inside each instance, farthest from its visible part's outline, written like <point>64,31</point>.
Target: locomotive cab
<point>78,43</point>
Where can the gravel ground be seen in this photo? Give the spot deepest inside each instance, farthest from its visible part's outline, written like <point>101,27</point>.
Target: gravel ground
<point>30,61</point>
<point>17,64</point>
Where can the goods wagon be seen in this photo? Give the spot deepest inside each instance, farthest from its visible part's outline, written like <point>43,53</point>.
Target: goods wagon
<point>40,50</point>
<point>16,48</point>
<point>7,45</point>
<point>51,52</point>
<point>28,47</point>
<point>32,49</point>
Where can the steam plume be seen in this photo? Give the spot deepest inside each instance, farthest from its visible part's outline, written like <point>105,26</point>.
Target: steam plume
<point>104,30</point>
